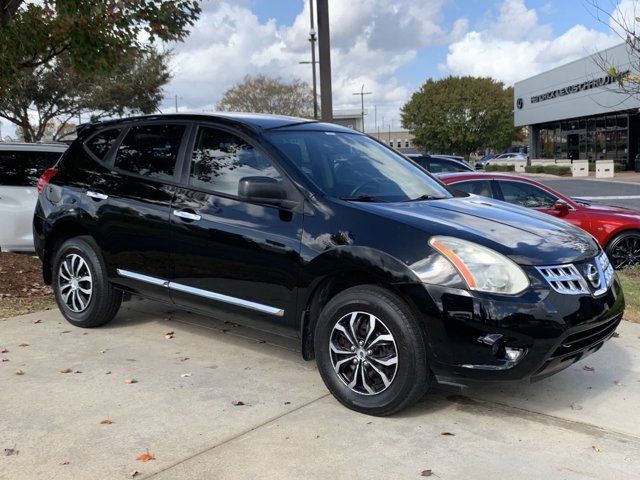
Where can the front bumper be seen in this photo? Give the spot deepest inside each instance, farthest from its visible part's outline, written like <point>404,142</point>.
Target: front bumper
<point>551,330</point>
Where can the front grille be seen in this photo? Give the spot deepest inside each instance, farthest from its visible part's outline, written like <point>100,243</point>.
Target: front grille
<point>565,279</point>
<point>586,338</point>
<point>593,277</point>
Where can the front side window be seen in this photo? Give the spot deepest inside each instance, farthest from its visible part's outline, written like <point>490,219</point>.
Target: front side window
<point>150,150</point>
<point>355,167</point>
<point>526,195</point>
<point>221,159</point>
<point>476,187</point>
<point>24,168</point>
<point>101,143</point>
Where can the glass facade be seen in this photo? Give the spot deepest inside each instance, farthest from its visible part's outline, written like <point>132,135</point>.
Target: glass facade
<point>595,138</point>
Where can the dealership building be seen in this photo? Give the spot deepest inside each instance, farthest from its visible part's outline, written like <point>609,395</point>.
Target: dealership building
<point>578,111</point>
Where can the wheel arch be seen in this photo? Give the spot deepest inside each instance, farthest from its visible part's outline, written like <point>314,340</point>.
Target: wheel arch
<point>61,231</point>
<point>343,268</point>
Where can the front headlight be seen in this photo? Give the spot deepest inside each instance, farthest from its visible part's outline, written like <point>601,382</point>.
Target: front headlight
<point>481,268</point>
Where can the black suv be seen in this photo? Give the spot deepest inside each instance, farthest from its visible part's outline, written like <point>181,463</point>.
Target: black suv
<point>317,232</point>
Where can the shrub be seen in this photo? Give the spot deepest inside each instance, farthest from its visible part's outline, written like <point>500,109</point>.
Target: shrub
<point>534,169</point>
<point>500,168</point>
<point>560,170</point>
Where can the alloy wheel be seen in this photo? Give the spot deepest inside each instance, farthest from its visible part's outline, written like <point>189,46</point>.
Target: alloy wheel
<point>75,283</point>
<point>626,252</point>
<point>363,353</point>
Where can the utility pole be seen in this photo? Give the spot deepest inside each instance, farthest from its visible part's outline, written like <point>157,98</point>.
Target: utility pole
<point>362,93</point>
<point>176,98</point>
<point>324,50</point>
<point>313,62</point>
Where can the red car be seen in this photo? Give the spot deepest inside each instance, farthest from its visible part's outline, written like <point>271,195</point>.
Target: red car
<point>617,229</point>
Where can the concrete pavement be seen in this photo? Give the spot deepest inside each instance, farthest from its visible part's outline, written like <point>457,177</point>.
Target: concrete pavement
<point>581,423</point>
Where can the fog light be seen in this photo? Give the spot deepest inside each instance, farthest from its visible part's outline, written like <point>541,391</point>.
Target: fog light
<point>513,354</point>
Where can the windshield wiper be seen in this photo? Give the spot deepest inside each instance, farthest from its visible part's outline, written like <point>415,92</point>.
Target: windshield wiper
<point>361,198</point>
<point>426,196</point>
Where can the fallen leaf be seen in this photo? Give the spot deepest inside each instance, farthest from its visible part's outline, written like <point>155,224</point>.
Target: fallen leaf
<point>108,373</point>
<point>426,473</point>
<point>448,434</point>
<point>145,457</point>
<point>238,403</point>
<point>169,335</point>
<point>23,344</point>
<point>65,370</point>
<point>596,449</point>
<point>588,368</point>
<point>64,463</point>
<point>106,422</point>
<point>618,383</point>
<point>185,375</point>
<point>4,360</point>
<point>135,473</point>
<point>78,371</point>
<point>616,334</point>
<point>19,372</point>
<point>287,403</point>
<point>129,381</point>
<point>4,350</point>
<point>576,406</point>
<point>11,451</point>
<point>183,359</point>
<point>37,322</point>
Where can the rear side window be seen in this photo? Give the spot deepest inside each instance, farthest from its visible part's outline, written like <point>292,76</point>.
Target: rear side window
<point>477,187</point>
<point>101,143</point>
<point>220,160</point>
<point>150,150</point>
<point>23,168</point>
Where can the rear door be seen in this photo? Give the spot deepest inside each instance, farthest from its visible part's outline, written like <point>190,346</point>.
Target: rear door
<point>130,200</point>
<point>233,259</point>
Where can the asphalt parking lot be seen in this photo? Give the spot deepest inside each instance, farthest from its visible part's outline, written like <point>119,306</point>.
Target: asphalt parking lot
<point>213,400</point>
<point>621,194</point>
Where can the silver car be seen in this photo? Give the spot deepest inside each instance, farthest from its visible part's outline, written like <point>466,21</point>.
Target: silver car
<point>21,165</point>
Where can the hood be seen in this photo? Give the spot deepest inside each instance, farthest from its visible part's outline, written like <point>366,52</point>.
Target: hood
<point>525,236</point>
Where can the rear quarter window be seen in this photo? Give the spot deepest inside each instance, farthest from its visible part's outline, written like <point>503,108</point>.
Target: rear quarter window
<point>23,168</point>
<point>100,144</point>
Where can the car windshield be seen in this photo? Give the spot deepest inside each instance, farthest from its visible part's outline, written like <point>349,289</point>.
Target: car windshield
<point>355,167</point>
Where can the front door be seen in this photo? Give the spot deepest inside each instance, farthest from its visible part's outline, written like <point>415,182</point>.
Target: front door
<point>236,260</point>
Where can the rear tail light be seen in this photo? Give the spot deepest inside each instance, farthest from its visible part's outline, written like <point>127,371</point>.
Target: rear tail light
<point>48,174</point>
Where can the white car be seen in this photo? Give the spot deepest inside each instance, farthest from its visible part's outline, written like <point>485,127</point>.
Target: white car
<point>21,165</point>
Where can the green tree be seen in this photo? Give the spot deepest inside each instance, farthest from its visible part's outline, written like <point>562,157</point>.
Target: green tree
<point>43,100</point>
<point>460,114</point>
<point>94,35</point>
<point>262,94</point>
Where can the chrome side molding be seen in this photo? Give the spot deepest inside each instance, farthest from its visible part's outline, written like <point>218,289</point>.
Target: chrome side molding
<point>278,312</point>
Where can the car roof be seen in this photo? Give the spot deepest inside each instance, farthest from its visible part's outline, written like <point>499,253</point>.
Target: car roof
<point>33,147</point>
<point>464,176</point>
<point>261,121</point>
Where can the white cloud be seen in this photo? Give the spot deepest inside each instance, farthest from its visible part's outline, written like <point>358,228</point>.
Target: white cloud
<point>371,40</point>
<point>518,46</point>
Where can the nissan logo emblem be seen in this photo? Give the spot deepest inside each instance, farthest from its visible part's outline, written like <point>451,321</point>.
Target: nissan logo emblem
<point>520,103</point>
<point>593,275</point>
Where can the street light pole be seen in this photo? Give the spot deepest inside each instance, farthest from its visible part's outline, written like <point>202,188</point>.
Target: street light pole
<point>312,40</point>
<point>362,93</point>
<point>324,50</point>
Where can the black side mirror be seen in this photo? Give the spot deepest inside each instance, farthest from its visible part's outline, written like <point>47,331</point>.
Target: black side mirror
<point>262,190</point>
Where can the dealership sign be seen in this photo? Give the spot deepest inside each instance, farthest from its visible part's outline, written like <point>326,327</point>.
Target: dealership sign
<point>575,88</point>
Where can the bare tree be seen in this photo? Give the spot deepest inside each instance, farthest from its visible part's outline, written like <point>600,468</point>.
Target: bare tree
<point>262,94</point>
<point>627,27</point>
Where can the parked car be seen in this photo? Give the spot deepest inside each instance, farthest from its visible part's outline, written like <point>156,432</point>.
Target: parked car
<point>616,229</point>
<point>318,232</point>
<point>511,156</point>
<point>484,161</point>
<point>21,165</point>
<point>437,164</point>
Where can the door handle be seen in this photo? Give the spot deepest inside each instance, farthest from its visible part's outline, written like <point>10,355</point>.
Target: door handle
<point>97,195</point>
<point>186,215</point>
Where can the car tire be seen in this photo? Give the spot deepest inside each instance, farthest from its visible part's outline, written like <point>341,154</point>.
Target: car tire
<point>83,293</point>
<point>624,250</point>
<point>343,359</point>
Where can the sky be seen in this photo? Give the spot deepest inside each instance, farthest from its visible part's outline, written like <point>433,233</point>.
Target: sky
<point>390,46</point>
